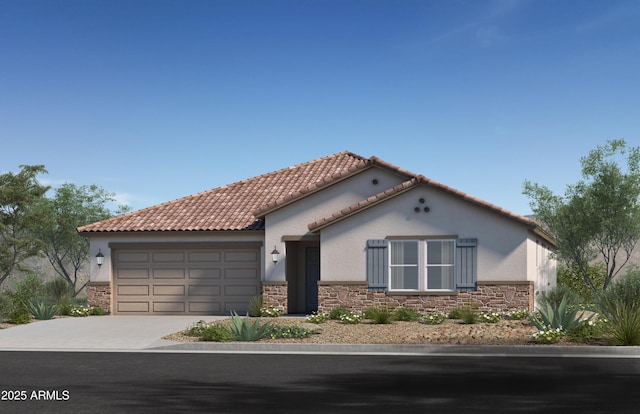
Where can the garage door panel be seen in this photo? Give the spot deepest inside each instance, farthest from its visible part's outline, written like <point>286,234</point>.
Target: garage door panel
<point>132,257</point>
<point>169,307</point>
<point>198,281</point>
<point>132,274</point>
<point>205,290</point>
<point>208,273</point>
<point>129,290</point>
<point>240,256</point>
<point>205,257</point>
<point>168,257</point>
<point>241,273</point>
<point>205,307</point>
<point>137,307</point>
<point>169,273</point>
<point>168,290</point>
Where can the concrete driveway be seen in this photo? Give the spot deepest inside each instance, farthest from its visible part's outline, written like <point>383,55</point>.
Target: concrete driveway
<point>95,333</point>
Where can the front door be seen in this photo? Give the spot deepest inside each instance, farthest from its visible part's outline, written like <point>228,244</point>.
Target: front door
<point>312,275</point>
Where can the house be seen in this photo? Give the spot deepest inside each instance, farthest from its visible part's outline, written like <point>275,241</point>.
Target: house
<point>342,230</point>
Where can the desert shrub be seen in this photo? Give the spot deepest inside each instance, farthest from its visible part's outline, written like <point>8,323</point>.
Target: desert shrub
<point>6,306</point>
<point>64,307</point>
<point>620,305</point>
<point>285,331</point>
<point>256,303</point>
<point>27,290</point>
<point>433,318</point>
<point>548,335</point>
<point>58,290</point>
<point>245,330</point>
<point>490,317</point>
<point>351,318</point>
<point>97,311</point>
<point>557,295</point>
<point>318,317</point>
<point>406,314</point>
<point>571,279</point>
<point>517,315</point>
<point>589,330</point>
<point>378,315</point>
<point>336,313</point>
<point>42,311</point>
<point>467,314</point>
<point>216,332</point>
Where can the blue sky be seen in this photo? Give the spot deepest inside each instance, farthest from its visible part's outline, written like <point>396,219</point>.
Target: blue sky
<point>155,100</point>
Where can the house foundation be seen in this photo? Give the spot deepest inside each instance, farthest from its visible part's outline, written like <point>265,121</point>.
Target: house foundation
<point>275,295</point>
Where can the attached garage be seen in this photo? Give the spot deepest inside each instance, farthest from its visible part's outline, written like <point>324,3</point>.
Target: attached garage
<point>203,280</point>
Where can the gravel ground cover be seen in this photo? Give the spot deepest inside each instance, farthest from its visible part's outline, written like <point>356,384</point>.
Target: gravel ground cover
<point>451,332</point>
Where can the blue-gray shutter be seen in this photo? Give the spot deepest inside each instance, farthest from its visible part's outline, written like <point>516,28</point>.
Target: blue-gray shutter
<point>377,264</point>
<point>466,264</point>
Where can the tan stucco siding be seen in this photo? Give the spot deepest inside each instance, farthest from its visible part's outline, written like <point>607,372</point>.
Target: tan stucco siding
<point>501,242</point>
<point>294,219</point>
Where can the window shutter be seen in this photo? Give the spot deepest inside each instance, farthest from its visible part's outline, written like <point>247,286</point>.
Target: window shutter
<point>377,264</point>
<point>466,264</point>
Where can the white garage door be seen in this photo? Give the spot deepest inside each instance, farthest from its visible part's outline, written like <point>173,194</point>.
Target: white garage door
<point>185,281</point>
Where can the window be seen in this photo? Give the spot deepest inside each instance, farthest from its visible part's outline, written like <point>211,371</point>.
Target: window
<point>407,273</point>
<point>403,265</point>
<point>440,260</point>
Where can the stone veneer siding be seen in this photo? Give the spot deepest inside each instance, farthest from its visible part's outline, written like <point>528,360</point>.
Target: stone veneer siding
<point>99,295</point>
<point>496,296</point>
<point>274,294</point>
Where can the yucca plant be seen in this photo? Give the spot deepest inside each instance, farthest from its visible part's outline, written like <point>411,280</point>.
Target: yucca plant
<point>244,330</point>
<point>256,304</point>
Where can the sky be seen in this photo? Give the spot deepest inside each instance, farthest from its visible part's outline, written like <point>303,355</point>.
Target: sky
<point>154,100</point>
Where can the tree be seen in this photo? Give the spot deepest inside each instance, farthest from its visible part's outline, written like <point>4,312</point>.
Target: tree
<point>55,224</point>
<point>597,218</point>
<point>18,194</point>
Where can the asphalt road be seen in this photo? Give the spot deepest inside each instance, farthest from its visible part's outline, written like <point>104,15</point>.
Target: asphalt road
<point>121,382</point>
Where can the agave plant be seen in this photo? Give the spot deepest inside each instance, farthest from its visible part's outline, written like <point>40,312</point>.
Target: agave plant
<point>556,315</point>
<point>245,330</point>
<point>42,311</point>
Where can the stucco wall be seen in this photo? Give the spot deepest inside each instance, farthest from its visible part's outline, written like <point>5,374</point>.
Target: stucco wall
<point>502,242</point>
<point>293,220</point>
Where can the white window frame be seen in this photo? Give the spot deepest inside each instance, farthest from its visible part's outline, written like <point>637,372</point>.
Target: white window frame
<point>423,266</point>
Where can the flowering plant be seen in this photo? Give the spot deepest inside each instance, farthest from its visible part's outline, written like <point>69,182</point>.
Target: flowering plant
<point>351,317</point>
<point>318,317</point>
<point>433,318</point>
<point>79,310</point>
<point>517,315</point>
<point>549,335</point>
<point>490,317</point>
<point>272,312</point>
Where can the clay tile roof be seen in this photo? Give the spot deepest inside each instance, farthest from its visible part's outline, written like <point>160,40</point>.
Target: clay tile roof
<point>231,207</point>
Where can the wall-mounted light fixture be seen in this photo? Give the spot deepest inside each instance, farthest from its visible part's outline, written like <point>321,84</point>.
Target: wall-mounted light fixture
<point>275,255</point>
<point>99,258</point>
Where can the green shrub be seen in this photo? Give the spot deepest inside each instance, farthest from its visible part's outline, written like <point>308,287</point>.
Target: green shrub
<point>256,303</point>
<point>64,307</point>
<point>517,315</point>
<point>620,305</point>
<point>6,306</point>
<point>351,318</point>
<point>318,317</point>
<point>296,332</point>
<point>589,331</point>
<point>406,314</point>
<point>490,317</point>
<point>97,311</point>
<point>378,315</point>
<point>58,290</point>
<point>336,313</point>
<point>466,314</point>
<point>216,332</point>
<point>548,335</point>
<point>573,280</point>
<point>20,317</point>
<point>245,330</point>
<point>28,289</point>
<point>42,311</point>
<point>79,310</point>
<point>433,318</point>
